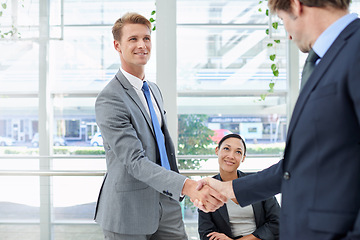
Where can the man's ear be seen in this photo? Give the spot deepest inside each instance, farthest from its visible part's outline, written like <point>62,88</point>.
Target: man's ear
<point>117,46</point>
<point>296,7</point>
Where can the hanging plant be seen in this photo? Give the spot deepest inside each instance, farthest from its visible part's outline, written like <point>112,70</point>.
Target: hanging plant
<point>13,31</point>
<point>152,19</point>
<point>273,45</point>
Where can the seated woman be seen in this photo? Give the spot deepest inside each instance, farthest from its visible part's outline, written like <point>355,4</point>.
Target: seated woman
<point>231,221</point>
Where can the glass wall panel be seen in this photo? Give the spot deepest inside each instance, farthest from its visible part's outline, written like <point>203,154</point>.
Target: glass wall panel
<point>74,198</point>
<point>20,198</point>
<point>19,67</point>
<point>224,70</point>
<point>20,231</point>
<point>222,12</point>
<point>230,58</point>
<point>18,122</point>
<point>75,128</point>
<point>104,12</point>
<point>84,61</point>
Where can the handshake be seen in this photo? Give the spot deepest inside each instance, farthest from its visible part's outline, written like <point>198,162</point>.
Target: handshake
<point>208,194</point>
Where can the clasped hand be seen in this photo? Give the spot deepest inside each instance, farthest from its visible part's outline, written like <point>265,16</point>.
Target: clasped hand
<point>223,191</point>
<point>205,197</point>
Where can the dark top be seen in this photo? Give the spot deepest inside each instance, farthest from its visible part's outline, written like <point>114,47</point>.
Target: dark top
<point>266,218</point>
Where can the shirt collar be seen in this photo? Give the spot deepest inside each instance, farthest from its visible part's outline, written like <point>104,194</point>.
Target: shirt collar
<point>326,39</point>
<point>136,82</point>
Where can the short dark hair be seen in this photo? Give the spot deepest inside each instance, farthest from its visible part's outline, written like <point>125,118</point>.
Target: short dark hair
<point>233,135</point>
<point>285,4</point>
<point>133,18</point>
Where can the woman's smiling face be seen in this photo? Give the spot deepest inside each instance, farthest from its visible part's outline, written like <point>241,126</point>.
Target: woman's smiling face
<point>230,154</point>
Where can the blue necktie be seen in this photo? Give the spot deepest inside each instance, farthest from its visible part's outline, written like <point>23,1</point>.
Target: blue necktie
<point>158,132</point>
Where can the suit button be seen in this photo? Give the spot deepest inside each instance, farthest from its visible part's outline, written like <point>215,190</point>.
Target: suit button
<point>167,193</point>
<point>286,175</point>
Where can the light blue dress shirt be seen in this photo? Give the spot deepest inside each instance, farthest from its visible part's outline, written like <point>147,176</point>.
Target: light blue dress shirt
<point>326,39</point>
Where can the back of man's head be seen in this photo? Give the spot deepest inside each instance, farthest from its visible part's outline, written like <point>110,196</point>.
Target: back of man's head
<point>285,4</point>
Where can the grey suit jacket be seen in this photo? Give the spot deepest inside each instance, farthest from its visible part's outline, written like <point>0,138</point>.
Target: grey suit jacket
<point>128,202</point>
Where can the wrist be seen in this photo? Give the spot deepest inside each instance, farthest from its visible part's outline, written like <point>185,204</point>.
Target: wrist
<point>189,185</point>
<point>228,190</point>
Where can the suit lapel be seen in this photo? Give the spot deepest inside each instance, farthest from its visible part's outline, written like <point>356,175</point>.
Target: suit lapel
<point>319,71</point>
<point>133,95</point>
<point>257,209</point>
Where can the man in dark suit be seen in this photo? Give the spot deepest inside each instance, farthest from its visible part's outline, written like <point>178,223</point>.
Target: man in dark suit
<point>319,176</point>
<point>139,198</point>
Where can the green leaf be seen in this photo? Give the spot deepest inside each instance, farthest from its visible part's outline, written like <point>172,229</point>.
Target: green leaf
<point>275,25</point>
<point>263,96</point>
<point>152,20</point>
<point>272,57</point>
<point>270,45</point>
<point>267,12</point>
<point>276,73</point>
<point>154,28</point>
<point>273,67</point>
<point>1,13</point>
<point>4,6</point>
<point>271,85</point>
<point>267,31</point>
<point>260,10</point>
<point>260,2</point>
<point>153,12</point>
<point>277,41</point>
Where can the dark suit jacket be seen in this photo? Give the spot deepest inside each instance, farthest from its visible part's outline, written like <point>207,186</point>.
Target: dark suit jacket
<point>266,218</point>
<point>319,176</point>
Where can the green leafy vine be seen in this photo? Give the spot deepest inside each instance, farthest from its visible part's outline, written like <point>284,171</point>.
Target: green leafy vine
<point>152,19</point>
<point>273,57</point>
<point>13,32</point>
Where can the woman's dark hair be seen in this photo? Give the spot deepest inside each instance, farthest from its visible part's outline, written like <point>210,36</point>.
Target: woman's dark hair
<point>233,135</point>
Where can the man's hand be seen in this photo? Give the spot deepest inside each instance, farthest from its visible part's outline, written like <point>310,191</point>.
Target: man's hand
<point>208,199</point>
<point>225,188</point>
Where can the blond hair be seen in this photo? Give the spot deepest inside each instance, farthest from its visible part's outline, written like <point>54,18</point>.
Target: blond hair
<point>132,18</point>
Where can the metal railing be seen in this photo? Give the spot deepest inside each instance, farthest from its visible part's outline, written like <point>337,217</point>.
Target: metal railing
<point>191,172</point>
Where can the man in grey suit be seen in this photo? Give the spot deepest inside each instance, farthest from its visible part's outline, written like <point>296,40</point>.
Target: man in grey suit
<point>139,198</point>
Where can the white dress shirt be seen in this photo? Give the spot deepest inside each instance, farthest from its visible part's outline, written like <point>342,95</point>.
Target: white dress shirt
<point>137,84</point>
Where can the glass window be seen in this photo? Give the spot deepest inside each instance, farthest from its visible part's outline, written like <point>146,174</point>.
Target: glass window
<point>224,67</point>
